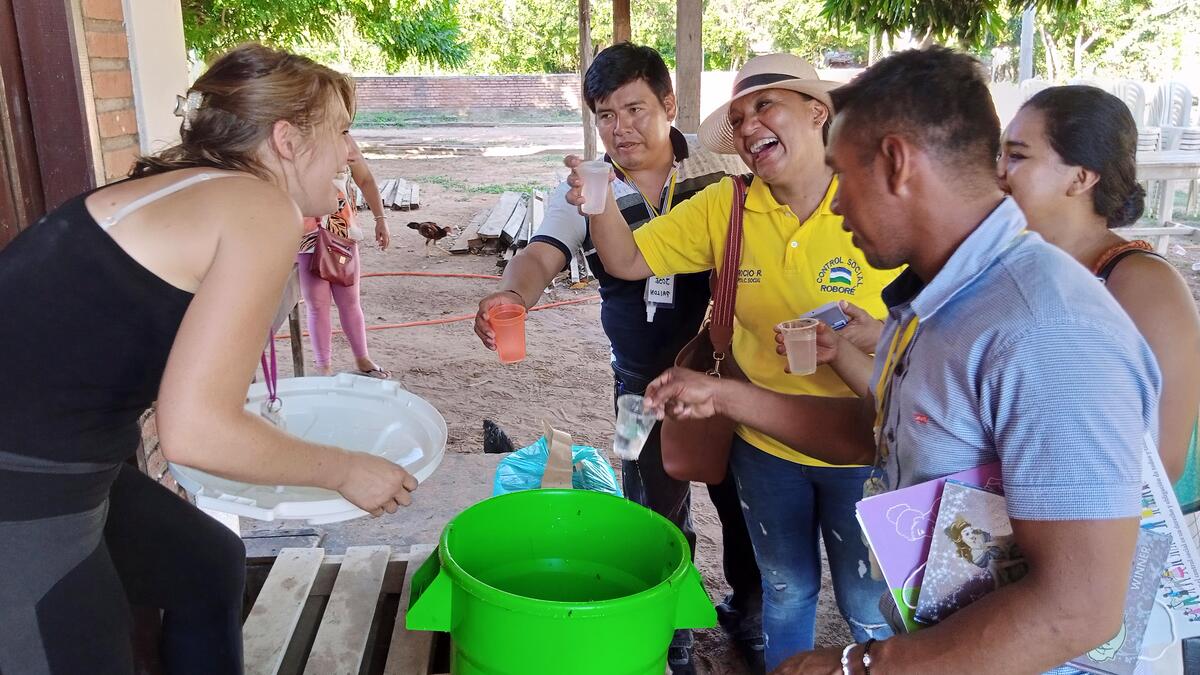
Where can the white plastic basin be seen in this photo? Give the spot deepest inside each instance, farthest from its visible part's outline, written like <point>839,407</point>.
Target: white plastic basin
<point>349,411</point>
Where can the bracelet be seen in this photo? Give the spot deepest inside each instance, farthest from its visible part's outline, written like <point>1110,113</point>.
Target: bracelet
<point>846,658</point>
<point>866,657</point>
<point>380,217</point>
<point>509,290</point>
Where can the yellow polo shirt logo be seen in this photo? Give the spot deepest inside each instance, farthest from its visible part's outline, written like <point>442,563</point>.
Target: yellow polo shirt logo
<point>840,275</point>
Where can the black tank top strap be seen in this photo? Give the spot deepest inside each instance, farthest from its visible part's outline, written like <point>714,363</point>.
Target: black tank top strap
<point>1112,257</point>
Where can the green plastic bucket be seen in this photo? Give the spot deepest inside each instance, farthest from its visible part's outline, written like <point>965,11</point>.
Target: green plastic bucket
<point>559,581</point>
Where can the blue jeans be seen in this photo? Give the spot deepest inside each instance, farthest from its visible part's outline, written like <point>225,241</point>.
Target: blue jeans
<point>784,503</point>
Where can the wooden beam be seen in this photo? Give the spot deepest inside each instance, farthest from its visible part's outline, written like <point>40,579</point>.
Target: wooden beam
<point>21,196</point>
<point>56,94</point>
<point>689,63</point>
<point>414,196</point>
<point>512,228</point>
<point>297,342</point>
<point>400,195</point>
<point>410,651</point>
<point>268,630</point>
<point>585,62</point>
<point>470,235</point>
<point>342,637</point>
<point>621,28</point>
<point>494,225</point>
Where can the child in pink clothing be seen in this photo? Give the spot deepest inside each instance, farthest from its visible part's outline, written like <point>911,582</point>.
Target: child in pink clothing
<point>318,294</point>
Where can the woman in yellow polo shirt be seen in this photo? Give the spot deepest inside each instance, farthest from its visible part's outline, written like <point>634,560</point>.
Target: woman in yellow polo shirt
<point>795,258</point>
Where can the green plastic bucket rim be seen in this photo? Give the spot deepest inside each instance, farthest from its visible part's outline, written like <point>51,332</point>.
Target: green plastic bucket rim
<point>469,583</point>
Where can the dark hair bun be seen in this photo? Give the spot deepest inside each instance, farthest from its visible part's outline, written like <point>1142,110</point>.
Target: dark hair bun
<point>1130,210</point>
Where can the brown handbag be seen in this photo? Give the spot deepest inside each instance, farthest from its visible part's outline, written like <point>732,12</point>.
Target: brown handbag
<point>335,258</point>
<point>698,450</point>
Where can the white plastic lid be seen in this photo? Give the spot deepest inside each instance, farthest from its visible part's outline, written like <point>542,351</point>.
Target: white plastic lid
<point>349,411</point>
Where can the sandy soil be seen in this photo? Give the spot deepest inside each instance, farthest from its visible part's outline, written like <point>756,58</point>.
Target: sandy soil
<point>565,378</point>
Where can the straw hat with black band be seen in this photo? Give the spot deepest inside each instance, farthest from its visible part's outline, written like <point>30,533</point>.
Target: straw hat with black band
<point>772,71</point>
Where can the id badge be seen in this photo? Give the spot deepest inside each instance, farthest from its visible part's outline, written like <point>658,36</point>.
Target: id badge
<point>873,486</point>
<point>661,291</point>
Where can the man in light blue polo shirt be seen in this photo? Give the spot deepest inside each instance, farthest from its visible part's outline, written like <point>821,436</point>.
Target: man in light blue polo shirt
<point>998,346</point>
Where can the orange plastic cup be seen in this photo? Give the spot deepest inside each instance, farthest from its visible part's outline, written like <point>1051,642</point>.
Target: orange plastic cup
<point>508,323</point>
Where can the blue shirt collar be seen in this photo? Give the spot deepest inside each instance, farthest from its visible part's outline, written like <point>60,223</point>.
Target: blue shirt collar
<point>977,252</point>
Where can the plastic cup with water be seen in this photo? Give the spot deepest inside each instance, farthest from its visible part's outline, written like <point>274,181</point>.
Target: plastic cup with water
<point>800,341</point>
<point>508,323</point>
<point>634,422</point>
<point>595,185</point>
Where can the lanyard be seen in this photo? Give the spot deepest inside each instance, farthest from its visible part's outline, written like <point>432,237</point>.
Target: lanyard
<point>666,205</point>
<point>901,342</point>
<point>661,289</point>
<point>271,407</point>
<point>271,374</point>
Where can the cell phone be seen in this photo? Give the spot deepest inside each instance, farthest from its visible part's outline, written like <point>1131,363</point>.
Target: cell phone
<point>830,313</point>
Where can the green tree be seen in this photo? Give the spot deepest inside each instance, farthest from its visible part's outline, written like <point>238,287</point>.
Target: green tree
<point>803,29</point>
<point>1129,38</point>
<point>732,30</point>
<point>969,21</point>
<point>519,36</point>
<point>426,31</point>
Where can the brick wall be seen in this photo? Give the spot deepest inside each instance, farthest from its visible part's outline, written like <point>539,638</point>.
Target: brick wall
<point>112,85</point>
<point>454,92</point>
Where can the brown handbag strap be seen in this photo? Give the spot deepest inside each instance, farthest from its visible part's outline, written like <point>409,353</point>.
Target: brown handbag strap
<point>720,330</point>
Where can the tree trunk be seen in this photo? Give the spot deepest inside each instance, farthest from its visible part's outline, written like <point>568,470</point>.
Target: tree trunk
<point>689,62</point>
<point>1051,55</point>
<point>621,27</point>
<point>1077,64</point>
<point>585,61</point>
<point>1025,61</point>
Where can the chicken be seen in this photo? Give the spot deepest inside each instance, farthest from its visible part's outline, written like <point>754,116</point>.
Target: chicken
<point>431,231</point>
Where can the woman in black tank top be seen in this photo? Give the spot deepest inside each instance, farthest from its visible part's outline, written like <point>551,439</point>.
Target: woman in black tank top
<point>161,287</point>
<point>1069,160</point>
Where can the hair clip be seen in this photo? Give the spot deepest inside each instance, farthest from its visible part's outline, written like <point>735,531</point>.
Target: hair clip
<point>187,107</point>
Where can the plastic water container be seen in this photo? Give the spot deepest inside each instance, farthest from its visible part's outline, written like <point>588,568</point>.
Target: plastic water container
<point>349,411</point>
<point>559,581</point>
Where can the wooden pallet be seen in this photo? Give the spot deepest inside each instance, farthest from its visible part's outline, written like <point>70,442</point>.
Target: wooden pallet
<point>469,239</point>
<point>339,615</point>
<point>500,215</point>
<point>397,194</point>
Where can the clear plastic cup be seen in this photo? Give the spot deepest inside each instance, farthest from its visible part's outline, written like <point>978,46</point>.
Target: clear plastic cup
<point>508,323</point>
<point>800,341</point>
<point>595,185</point>
<point>634,423</point>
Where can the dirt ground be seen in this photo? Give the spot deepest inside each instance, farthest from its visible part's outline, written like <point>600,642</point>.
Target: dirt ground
<point>565,377</point>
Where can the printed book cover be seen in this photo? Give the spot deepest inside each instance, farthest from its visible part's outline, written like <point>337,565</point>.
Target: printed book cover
<point>1119,656</point>
<point>1180,587</point>
<point>898,527</point>
<point>973,552</point>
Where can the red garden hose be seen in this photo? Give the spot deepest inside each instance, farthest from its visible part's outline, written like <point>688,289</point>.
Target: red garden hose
<point>448,319</point>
